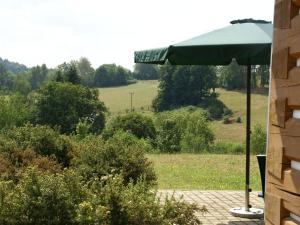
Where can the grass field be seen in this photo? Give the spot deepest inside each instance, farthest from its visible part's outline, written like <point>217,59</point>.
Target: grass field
<point>117,99</point>
<point>205,172</point>
<point>193,171</point>
<point>236,101</point>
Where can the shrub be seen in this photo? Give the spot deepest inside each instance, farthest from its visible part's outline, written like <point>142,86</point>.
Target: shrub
<point>183,129</point>
<point>258,140</point>
<point>239,120</point>
<point>197,135</point>
<point>135,123</point>
<point>168,136</point>
<point>41,139</point>
<point>39,199</point>
<point>215,107</point>
<point>228,148</point>
<point>14,111</point>
<point>226,120</point>
<point>118,155</point>
<point>63,199</point>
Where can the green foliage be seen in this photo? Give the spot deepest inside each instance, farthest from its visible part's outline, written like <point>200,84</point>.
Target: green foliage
<point>14,111</point>
<point>184,85</point>
<point>216,108</point>
<point>186,130</point>
<point>37,76</point>
<point>226,120</point>
<point>6,79</point>
<point>118,155</point>
<point>64,104</point>
<point>86,71</point>
<point>197,136</point>
<point>233,76</point>
<point>168,135</point>
<point>145,71</point>
<point>41,139</point>
<point>258,140</point>
<point>63,199</point>
<point>83,129</point>
<point>12,67</point>
<point>111,75</point>
<point>135,123</point>
<point>21,85</point>
<point>239,119</point>
<point>228,148</point>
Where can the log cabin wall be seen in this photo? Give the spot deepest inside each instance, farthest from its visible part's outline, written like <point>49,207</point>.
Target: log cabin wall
<point>282,203</point>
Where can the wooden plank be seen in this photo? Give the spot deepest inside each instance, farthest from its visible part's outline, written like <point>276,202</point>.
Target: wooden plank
<point>293,79</point>
<point>291,146</point>
<point>275,156</point>
<point>280,64</point>
<point>296,2</point>
<point>289,221</point>
<point>290,181</point>
<point>282,19</point>
<point>278,112</point>
<point>274,207</point>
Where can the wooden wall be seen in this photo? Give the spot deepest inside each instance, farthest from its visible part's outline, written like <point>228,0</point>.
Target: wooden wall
<point>283,182</point>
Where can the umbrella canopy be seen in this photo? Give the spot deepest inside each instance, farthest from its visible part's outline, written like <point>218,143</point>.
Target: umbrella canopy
<point>247,41</point>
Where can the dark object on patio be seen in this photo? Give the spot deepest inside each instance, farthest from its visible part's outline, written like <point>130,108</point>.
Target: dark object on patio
<point>262,169</point>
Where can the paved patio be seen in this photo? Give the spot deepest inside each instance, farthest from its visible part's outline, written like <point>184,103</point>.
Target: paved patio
<point>218,204</point>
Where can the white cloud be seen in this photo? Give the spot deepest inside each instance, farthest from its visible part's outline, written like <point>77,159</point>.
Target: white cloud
<point>54,31</point>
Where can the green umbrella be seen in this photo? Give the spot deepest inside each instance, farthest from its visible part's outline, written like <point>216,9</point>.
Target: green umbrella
<point>247,41</point>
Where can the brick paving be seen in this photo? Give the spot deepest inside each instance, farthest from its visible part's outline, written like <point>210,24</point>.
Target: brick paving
<point>218,204</point>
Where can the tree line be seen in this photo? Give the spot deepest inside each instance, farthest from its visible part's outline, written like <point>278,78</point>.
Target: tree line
<point>79,71</point>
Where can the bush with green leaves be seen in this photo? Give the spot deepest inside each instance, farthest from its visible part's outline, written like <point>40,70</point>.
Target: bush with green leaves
<point>120,155</point>
<point>228,148</point>
<point>215,108</point>
<point>14,111</point>
<point>63,105</point>
<point>168,136</point>
<point>258,140</point>
<point>197,135</point>
<point>43,140</point>
<point>64,199</point>
<point>183,130</point>
<point>140,125</point>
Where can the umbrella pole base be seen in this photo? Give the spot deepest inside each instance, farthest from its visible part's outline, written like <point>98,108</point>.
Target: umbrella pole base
<point>252,213</point>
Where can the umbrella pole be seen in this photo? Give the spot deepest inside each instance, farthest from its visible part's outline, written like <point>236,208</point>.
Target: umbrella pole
<point>248,135</point>
<point>248,211</point>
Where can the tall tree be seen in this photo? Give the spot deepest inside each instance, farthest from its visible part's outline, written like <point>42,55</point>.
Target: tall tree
<point>111,75</point>
<point>233,76</point>
<point>37,76</point>
<point>145,71</point>
<point>64,104</point>
<point>184,85</point>
<point>86,71</point>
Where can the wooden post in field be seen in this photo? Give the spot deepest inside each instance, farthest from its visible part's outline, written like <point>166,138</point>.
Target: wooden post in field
<point>282,202</point>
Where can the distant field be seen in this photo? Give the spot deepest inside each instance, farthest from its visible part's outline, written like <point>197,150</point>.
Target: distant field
<point>236,101</point>
<point>205,172</point>
<point>117,99</point>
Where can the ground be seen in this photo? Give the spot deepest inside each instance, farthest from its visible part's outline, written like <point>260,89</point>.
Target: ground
<point>193,171</point>
<point>204,171</point>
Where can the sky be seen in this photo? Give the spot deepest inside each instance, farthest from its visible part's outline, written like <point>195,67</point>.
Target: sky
<point>34,32</point>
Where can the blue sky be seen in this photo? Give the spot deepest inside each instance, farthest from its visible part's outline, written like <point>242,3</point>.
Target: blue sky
<point>56,31</point>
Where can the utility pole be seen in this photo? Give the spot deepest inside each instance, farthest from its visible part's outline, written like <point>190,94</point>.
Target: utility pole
<point>131,94</point>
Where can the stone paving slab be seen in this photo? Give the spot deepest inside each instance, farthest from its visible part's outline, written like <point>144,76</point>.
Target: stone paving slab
<point>218,204</point>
